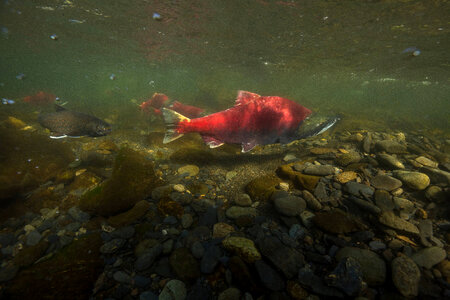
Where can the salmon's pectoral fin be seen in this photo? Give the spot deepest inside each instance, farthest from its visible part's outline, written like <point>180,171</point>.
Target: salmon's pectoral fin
<point>212,142</point>
<point>247,146</point>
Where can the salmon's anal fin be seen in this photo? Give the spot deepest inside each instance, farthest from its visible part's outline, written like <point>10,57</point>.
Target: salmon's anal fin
<point>172,119</point>
<point>212,142</point>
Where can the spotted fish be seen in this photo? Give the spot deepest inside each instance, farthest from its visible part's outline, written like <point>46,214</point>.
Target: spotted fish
<point>66,123</point>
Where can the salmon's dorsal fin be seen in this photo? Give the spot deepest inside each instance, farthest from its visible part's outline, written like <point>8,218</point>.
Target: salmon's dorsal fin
<point>59,108</point>
<point>245,97</point>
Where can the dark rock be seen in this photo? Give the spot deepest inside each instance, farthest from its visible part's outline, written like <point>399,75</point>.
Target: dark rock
<point>377,245</point>
<point>347,277</point>
<point>147,259</point>
<point>132,180</point>
<point>173,290</point>
<point>372,266</point>
<point>319,170</point>
<point>306,277</point>
<point>348,158</point>
<point>321,192</point>
<point>148,295</point>
<point>128,217</point>
<point>241,274</point>
<point>122,277</point>
<point>171,220</point>
<point>358,189</point>
<point>235,212</point>
<point>209,218</point>
<point>197,249</point>
<point>384,200</point>
<point>363,236</point>
<point>385,182</point>
<point>50,279</point>
<point>33,238</point>
<point>31,254</point>
<point>7,238</point>
<point>335,221</point>
<point>390,146</point>
<point>141,281</point>
<point>269,277</point>
<point>231,293</point>
<point>290,206</point>
<point>123,233</point>
<point>389,161</point>
<point>200,291</point>
<point>8,272</point>
<point>261,188</point>
<point>389,219</point>
<point>112,246</point>
<point>78,215</point>
<point>210,259</point>
<point>367,143</point>
<point>184,264</point>
<point>406,276</point>
<point>297,232</point>
<point>311,201</point>
<point>429,257</point>
<point>365,205</point>
<point>286,259</point>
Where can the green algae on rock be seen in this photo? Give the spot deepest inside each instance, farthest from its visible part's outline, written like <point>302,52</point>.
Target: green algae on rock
<point>261,188</point>
<point>243,247</point>
<point>133,178</point>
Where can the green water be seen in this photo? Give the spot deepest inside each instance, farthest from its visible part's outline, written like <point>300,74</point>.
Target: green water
<point>331,56</point>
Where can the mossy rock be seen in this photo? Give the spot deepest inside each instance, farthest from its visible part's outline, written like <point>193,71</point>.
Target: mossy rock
<point>70,274</point>
<point>261,188</point>
<point>133,178</point>
<point>128,217</point>
<point>31,254</point>
<point>198,156</point>
<point>307,182</point>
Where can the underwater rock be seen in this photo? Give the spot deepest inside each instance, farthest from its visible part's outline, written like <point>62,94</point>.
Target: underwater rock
<point>372,266</point>
<point>269,277</point>
<point>348,158</point>
<point>28,160</point>
<point>347,276</point>
<point>346,176</point>
<point>414,180</point>
<point>184,264</point>
<point>335,221</point>
<point>31,254</point>
<point>243,247</point>
<point>389,219</point>
<point>231,293</point>
<point>390,161</point>
<point>385,182</point>
<point>51,280</point>
<point>390,146</point>
<point>236,212</point>
<point>133,178</point>
<point>319,170</point>
<point>429,257</point>
<point>261,188</point>
<point>221,230</point>
<point>406,276</point>
<point>189,170</point>
<point>290,205</point>
<point>173,290</point>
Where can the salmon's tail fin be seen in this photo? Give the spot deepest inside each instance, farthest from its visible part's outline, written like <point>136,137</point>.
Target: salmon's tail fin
<point>172,119</point>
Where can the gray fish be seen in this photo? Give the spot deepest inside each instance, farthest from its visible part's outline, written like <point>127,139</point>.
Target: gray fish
<point>66,123</point>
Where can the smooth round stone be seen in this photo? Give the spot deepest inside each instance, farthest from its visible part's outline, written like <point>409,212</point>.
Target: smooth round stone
<point>197,249</point>
<point>372,266</point>
<point>179,188</point>
<point>29,228</point>
<point>122,277</point>
<point>230,294</point>
<point>426,162</point>
<point>390,161</point>
<point>311,201</point>
<point>389,219</point>
<point>187,220</point>
<point>406,276</point>
<point>290,205</point>
<point>385,182</point>
<point>348,158</point>
<point>173,290</point>
<point>190,170</point>
<point>319,170</point>
<point>346,176</point>
<point>112,246</point>
<point>235,212</point>
<point>148,295</point>
<point>289,157</point>
<point>284,186</point>
<point>243,200</point>
<point>377,245</point>
<point>269,277</point>
<point>429,257</point>
<point>415,180</point>
<point>221,230</point>
<point>434,193</point>
<point>33,238</point>
<point>390,146</point>
<point>78,215</point>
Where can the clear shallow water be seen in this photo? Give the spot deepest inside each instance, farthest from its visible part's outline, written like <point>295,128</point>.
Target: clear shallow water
<point>331,56</point>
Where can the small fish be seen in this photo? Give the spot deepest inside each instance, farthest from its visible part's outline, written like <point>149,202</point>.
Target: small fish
<point>186,110</point>
<point>8,101</point>
<point>66,123</point>
<point>253,120</point>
